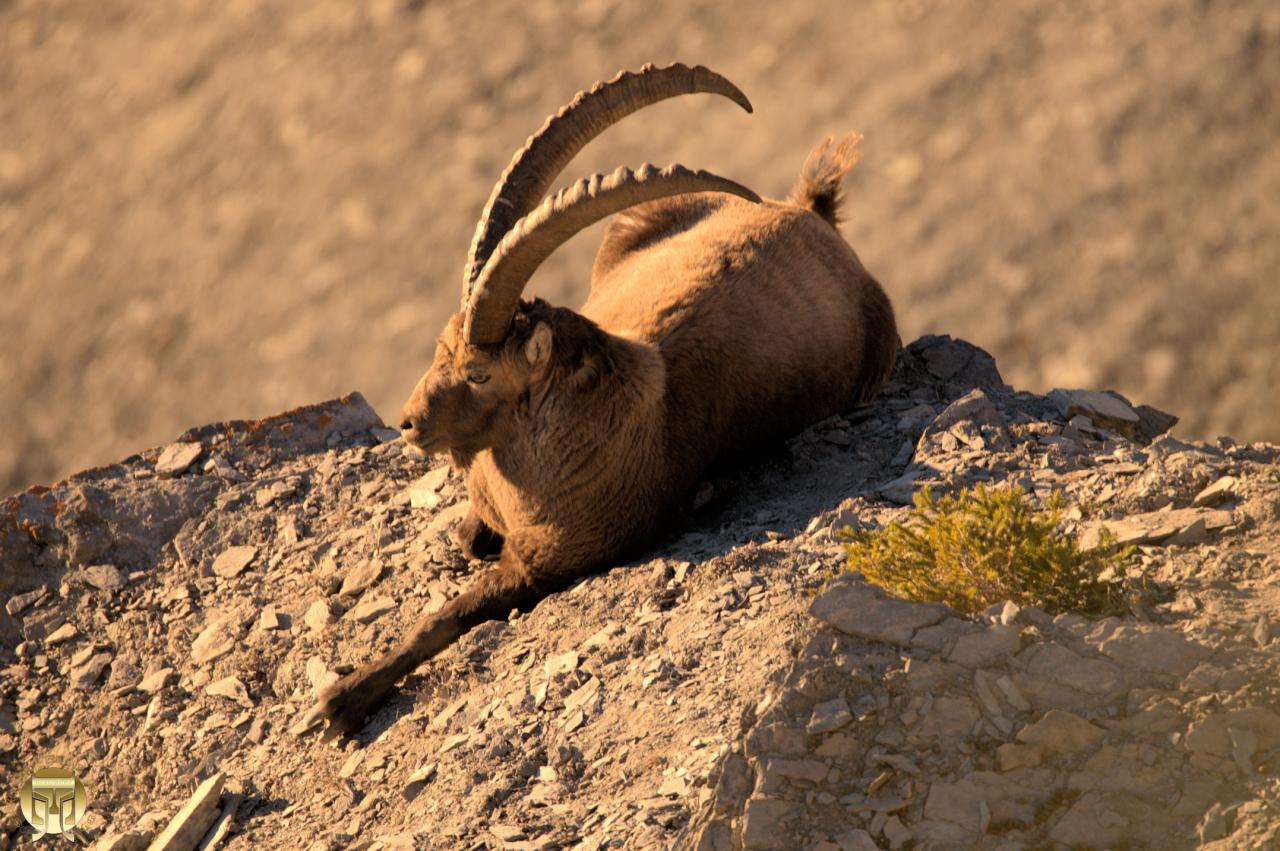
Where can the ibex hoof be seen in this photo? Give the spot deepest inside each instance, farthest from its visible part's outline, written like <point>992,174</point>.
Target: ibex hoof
<point>344,706</point>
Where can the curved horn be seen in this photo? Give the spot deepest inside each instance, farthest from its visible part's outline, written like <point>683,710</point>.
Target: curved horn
<point>532,239</point>
<point>535,166</point>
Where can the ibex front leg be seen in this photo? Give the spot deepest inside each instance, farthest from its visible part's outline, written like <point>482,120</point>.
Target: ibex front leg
<point>477,539</point>
<point>508,585</point>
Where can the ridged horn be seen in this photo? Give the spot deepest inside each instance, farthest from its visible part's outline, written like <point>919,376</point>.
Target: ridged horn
<point>535,166</point>
<point>532,239</point>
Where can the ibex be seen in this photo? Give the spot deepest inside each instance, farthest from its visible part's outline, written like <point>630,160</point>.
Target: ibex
<point>716,322</point>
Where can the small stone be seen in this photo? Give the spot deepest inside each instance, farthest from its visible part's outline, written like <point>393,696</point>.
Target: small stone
<point>446,517</point>
<point>562,664</point>
<point>217,639</point>
<point>155,681</point>
<point>423,774</point>
<point>233,561</point>
<point>1244,744</point>
<point>425,492</point>
<point>319,674</point>
<point>275,492</point>
<point>194,819</point>
<point>230,687</point>
<point>829,715</point>
<point>902,490</point>
<point>384,435</point>
<point>574,719</point>
<point>982,686</point>
<point>132,840</point>
<point>1261,633</point>
<point>176,458</point>
<point>223,468</point>
<point>602,638</point>
<point>319,615</point>
<point>270,619</point>
<point>1218,823</point>
<point>104,577</point>
<point>361,577</point>
<point>1061,732</point>
<point>351,764</point>
<point>896,832</point>
<point>86,674</point>
<point>19,602</point>
<point>1215,493</point>
<point>368,611</point>
<point>66,632</point>
<point>506,832</point>
<point>454,741</point>
<point>1012,694</point>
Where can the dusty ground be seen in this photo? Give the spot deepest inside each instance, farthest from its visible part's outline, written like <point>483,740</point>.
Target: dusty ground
<point>168,623</point>
<point>223,210</point>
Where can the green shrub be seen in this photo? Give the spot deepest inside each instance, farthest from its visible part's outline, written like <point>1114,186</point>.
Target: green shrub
<point>986,545</point>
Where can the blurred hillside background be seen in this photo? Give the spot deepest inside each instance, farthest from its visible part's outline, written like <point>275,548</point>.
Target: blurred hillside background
<point>218,210</point>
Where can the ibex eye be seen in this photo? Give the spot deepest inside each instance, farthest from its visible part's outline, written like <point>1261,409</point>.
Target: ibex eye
<point>477,377</point>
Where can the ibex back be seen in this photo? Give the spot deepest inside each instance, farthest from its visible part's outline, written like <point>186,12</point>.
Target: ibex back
<point>717,322</point>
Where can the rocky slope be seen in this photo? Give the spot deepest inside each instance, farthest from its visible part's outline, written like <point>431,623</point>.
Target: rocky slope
<point>170,617</point>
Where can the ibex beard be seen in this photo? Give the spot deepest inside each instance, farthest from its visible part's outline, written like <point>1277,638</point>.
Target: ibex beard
<point>717,322</point>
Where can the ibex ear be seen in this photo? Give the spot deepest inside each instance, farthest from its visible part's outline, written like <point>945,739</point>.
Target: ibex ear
<point>538,348</point>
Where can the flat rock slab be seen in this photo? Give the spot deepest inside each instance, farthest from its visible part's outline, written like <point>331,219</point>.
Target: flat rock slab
<point>232,688</point>
<point>829,715</point>
<point>217,639</point>
<point>361,577</point>
<point>104,577</point>
<point>976,421</point>
<point>233,561</point>
<point>862,609</point>
<point>194,819</point>
<point>369,611</point>
<point>1152,648</point>
<point>1180,526</point>
<point>177,457</point>
<point>425,492</point>
<point>1221,490</point>
<point>446,518</point>
<point>1061,732</point>
<point>1102,409</point>
<point>84,675</point>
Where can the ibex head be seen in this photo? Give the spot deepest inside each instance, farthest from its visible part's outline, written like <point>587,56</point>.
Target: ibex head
<point>467,401</point>
<point>496,354</point>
